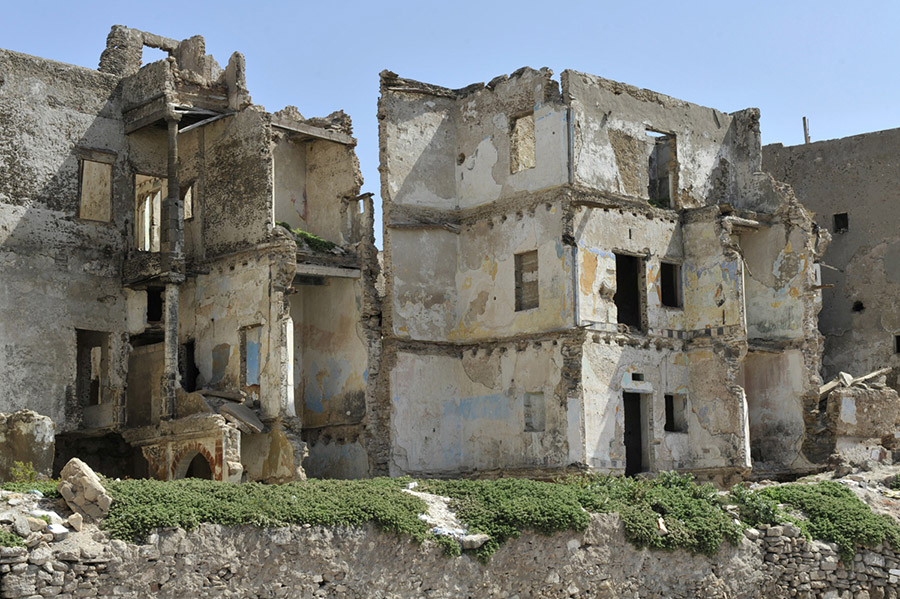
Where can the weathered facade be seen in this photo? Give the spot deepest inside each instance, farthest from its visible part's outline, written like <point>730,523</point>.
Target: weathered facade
<point>151,304</point>
<point>590,275</point>
<point>851,186</point>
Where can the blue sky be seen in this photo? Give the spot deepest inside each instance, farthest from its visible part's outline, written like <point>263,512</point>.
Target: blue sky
<point>834,62</point>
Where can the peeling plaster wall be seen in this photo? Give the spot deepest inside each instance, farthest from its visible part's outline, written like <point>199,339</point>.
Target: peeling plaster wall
<point>713,279</point>
<point>422,276</point>
<point>417,145</point>
<point>774,383</point>
<point>51,263</point>
<point>600,233</point>
<point>776,274</point>
<point>331,370</point>
<point>858,176</point>
<point>483,127</point>
<point>485,277</point>
<point>452,413</point>
<point>716,152</point>
<point>239,210</point>
<point>332,175</point>
<point>238,292</point>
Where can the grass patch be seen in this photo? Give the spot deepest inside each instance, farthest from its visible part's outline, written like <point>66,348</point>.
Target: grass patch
<point>835,514</point>
<point>504,508</point>
<point>139,506</point>
<point>46,487</point>
<point>8,539</point>
<point>314,242</point>
<point>691,512</point>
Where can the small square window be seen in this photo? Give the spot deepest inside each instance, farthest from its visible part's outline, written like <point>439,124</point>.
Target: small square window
<point>670,285</point>
<point>676,413</point>
<point>526,265</point>
<point>96,191</point>
<point>841,222</point>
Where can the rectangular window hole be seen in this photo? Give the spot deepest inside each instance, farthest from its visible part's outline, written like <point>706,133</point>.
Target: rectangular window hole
<point>637,376</point>
<point>661,166</point>
<point>522,144</point>
<point>841,222</point>
<point>535,412</point>
<point>670,284</point>
<point>155,301</point>
<point>526,267</point>
<point>897,344</point>
<point>628,291</point>
<point>676,413</point>
<point>96,191</point>
<point>92,366</point>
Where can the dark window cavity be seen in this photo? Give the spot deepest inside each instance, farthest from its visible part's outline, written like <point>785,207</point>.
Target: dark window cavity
<point>670,285</point>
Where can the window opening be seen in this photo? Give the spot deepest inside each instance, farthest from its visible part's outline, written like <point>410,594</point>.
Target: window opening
<point>92,366</point>
<point>637,376</point>
<point>148,194</point>
<point>155,302</point>
<point>251,338</point>
<point>841,222</point>
<point>661,166</point>
<point>535,412</point>
<point>670,284</point>
<point>628,294</point>
<point>676,409</point>
<point>187,366</point>
<point>897,344</point>
<point>187,200</point>
<point>96,191</point>
<point>522,144</point>
<point>526,266</point>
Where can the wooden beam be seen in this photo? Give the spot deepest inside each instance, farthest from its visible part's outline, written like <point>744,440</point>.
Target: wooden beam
<point>328,271</point>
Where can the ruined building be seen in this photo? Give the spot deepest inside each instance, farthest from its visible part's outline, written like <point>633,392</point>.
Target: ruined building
<point>576,274</point>
<point>150,303</point>
<point>586,273</point>
<point>851,185</point>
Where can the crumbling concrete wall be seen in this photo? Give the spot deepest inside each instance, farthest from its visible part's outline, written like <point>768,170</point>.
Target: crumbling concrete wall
<point>482,408</point>
<point>856,177</point>
<point>26,437</point>
<point>716,152</point>
<point>60,272</point>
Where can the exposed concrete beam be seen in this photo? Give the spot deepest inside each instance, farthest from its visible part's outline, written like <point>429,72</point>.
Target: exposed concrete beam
<point>328,271</point>
<point>314,132</point>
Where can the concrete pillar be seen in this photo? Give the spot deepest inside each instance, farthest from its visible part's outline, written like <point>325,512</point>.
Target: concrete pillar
<point>173,265</point>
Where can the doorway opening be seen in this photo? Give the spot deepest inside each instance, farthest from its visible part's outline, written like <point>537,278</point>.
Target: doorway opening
<point>635,457</point>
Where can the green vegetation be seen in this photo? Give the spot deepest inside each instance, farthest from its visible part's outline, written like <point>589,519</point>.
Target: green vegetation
<point>139,506</point>
<point>315,243</point>
<point>504,508</point>
<point>8,539</point>
<point>835,514</point>
<point>23,472</point>
<point>25,478</point>
<point>46,487</point>
<point>669,512</point>
<point>691,513</point>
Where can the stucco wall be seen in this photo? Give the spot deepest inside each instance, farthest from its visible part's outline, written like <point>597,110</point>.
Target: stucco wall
<point>716,152</point>
<point>464,413</point>
<point>858,176</point>
<point>59,273</point>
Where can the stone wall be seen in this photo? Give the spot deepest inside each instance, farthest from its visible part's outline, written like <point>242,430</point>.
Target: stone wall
<point>215,561</point>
